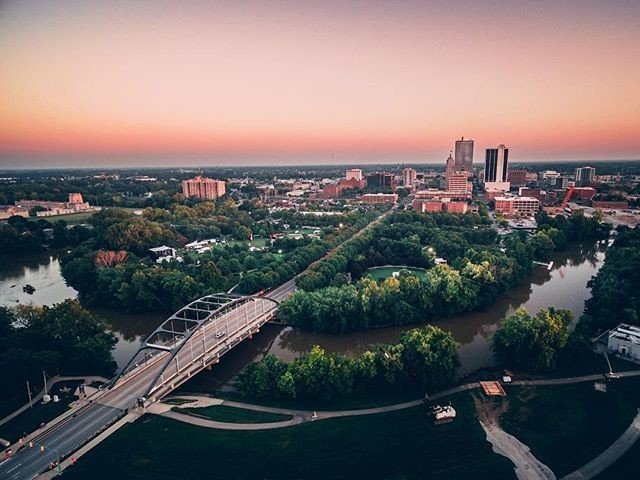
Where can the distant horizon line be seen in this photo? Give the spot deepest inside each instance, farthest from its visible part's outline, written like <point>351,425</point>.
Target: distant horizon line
<point>291,165</point>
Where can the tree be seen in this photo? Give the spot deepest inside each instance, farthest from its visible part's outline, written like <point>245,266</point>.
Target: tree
<point>532,342</point>
<point>430,356</point>
<point>63,338</point>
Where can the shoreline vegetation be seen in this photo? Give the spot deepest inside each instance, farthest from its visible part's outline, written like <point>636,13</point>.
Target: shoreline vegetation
<point>474,276</point>
<point>480,268</point>
<point>134,282</point>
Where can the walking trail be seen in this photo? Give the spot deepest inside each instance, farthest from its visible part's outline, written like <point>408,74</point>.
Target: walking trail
<point>527,466</point>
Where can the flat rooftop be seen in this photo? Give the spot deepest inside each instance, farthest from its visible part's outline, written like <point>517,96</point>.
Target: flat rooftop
<point>626,332</point>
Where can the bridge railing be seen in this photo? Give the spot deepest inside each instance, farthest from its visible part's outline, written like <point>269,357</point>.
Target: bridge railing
<point>179,372</point>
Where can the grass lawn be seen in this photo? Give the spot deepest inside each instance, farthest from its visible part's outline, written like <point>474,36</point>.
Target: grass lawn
<point>258,243</point>
<point>71,219</point>
<point>567,426</point>
<point>388,397</point>
<point>223,413</point>
<point>10,405</point>
<point>398,445</point>
<point>177,401</point>
<point>385,272</point>
<point>30,420</point>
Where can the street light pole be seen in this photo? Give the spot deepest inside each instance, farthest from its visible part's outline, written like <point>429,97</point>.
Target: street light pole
<point>29,393</point>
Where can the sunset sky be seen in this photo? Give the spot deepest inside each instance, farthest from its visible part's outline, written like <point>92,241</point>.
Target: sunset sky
<point>88,82</point>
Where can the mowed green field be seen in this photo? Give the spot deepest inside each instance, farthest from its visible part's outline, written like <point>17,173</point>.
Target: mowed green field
<point>398,445</point>
<point>223,413</point>
<point>71,219</point>
<point>385,272</point>
<point>567,426</point>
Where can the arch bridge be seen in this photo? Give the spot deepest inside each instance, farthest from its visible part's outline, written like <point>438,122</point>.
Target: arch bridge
<point>192,339</point>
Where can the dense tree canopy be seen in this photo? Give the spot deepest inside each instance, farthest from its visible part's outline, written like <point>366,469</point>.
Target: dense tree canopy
<point>480,268</point>
<point>425,358</point>
<point>532,342</point>
<point>138,283</point>
<point>61,339</point>
<point>615,292</point>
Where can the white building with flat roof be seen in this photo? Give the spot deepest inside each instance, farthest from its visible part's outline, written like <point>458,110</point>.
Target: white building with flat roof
<point>624,340</point>
<point>353,174</point>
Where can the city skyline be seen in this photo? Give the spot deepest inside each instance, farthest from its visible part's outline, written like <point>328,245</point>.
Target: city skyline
<point>132,84</point>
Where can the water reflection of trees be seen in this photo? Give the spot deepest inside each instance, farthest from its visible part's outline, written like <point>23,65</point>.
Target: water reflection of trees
<point>129,325</point>
<point>579,254</point>
<point>17,267</point>
<point>465,327</point>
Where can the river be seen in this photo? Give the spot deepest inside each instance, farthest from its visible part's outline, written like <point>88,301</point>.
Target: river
<point>564,287</point>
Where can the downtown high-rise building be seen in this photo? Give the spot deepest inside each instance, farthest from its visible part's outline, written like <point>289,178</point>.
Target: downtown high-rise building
<point>496,169</point>
<point>585,176</point>
<point>409,176</point>
<point>464,155</point>
<point>450,169</point>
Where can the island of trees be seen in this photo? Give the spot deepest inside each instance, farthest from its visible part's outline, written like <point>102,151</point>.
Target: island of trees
<point>480,267</point>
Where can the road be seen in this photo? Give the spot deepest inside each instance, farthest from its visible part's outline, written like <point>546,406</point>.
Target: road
<point>50,383</point>
<point>203,348</point>
<point>151,378</point>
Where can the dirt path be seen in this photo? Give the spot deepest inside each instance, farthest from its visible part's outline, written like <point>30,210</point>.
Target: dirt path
<point>527,466</point>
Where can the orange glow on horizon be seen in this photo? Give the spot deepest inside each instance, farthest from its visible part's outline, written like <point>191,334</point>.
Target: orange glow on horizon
<point>319,77</point>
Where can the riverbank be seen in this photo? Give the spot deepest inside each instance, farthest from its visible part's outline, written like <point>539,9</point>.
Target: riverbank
<point>360,443</point>
<point>564,286</point>
<point>366,447</point>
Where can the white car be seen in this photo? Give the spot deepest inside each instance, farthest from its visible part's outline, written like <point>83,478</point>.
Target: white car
<point>219,334</point>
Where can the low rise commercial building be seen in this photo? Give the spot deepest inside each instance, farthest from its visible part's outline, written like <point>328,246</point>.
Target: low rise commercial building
<point>8,211</point>
<point>379,198</point>
<point>435,206</point>
<point>517,206</point>
<point>624,340</point>
<point>534,192</point>
<point>583,193</point>
<point>432,193</point>
<point>610,204</point>
<point>48,208</point>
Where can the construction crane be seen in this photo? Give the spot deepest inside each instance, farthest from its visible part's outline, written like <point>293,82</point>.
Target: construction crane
<point>567,197</point>
<point>562,208</point>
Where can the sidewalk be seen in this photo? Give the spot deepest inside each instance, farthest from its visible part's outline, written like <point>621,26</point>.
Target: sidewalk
<point>50,383</point>
<point>75,407</point>
<point>129,418</point>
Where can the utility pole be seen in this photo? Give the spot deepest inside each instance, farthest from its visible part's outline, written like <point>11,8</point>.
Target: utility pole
<point>29,393</point>
<point>44,376</point>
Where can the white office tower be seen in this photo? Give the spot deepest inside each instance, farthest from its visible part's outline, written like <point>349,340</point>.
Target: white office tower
<point>496,168</point>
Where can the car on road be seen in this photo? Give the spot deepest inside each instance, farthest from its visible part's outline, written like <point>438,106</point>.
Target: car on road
<point>219,334</point>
